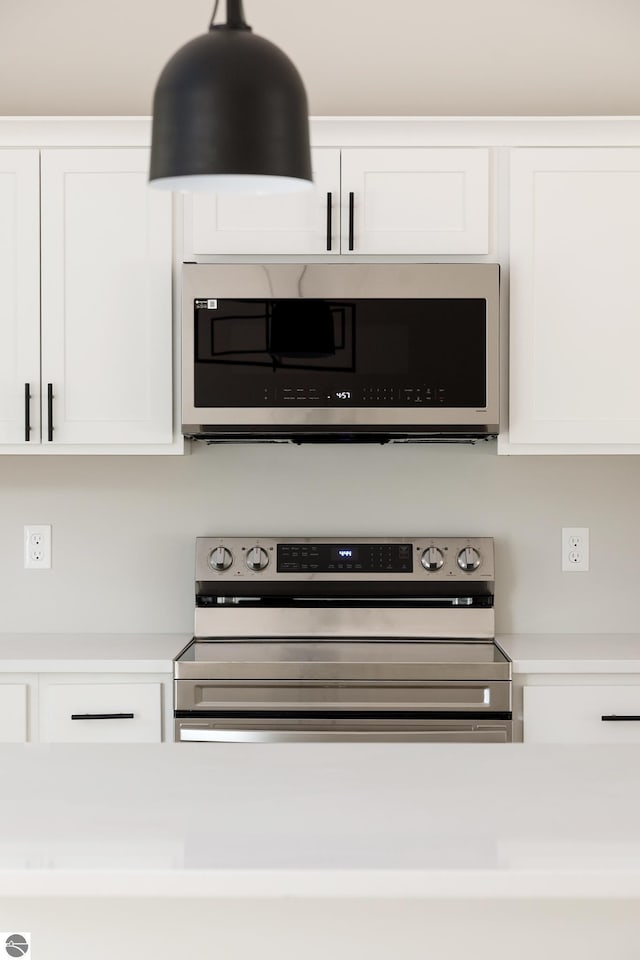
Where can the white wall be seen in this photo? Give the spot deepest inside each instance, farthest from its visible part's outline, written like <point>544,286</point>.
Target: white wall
<point>124,528</point>
<point>356,56</point>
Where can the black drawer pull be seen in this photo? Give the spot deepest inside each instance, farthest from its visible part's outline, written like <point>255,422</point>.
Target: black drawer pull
<point>50,412</point>
<point>102,716</point>
<point>351,204</point>
<point>620,716</point>
<point>27,412</point>
<point>329,225</point>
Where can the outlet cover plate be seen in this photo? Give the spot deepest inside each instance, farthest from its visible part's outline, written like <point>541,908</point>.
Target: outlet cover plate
<point>575,549</point>
<point>37,546</point>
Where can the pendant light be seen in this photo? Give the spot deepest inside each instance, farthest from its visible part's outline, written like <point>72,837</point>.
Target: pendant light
<point>230,115</point>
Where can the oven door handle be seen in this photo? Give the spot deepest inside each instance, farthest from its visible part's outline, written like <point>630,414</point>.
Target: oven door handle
<point>206,734</point>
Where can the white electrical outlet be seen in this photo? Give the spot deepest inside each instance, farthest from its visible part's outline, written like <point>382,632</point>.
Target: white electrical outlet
<point>37,546</point>
<point>575,548</point>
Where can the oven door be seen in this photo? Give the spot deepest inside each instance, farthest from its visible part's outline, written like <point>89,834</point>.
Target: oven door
<point>271,711</point>
<point>326,730</point>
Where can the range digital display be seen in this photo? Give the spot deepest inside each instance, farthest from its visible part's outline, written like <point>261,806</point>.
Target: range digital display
<point>342,554</point>
<point>344,558</point>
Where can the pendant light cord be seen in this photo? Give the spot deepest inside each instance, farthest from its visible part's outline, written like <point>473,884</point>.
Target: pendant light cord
<point>235,17</point>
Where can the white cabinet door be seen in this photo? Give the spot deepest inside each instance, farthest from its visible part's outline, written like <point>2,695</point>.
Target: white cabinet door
<point>581,714</point>
<point>88,712</point>
<point>106,299</point>
<point>415,201</point>
<point>19,295</point>
<point>297,223</point>
<point>575,297</point>
<point>13,713</point>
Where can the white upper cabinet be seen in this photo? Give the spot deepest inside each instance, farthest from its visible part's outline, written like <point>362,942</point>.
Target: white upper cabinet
<point>106,299</point>
<point>415,201</point>
<point>574,300</point>
<point>364,201</point>
<point>296,223</point>
<point>19,295</point>
<point>86,303</point>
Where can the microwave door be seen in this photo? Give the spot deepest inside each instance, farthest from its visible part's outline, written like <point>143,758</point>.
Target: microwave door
<point>338,361</point>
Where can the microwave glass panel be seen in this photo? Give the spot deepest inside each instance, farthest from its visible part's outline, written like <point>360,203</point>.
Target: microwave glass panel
<point>340,353</point>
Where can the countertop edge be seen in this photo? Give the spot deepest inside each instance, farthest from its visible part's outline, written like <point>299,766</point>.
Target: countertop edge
<point>541,884</point>
<point>154,653</point>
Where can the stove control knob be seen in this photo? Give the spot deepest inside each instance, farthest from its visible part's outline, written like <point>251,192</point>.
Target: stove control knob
<point>469,559</point>
<point>220,558</point>
<point>432,558</point>
<point>257,558</point>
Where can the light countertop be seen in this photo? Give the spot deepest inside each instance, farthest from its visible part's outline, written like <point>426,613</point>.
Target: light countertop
<point>154,653</point>
<point>572,653</point>
<point>90,652</point>
<point>285,820</point>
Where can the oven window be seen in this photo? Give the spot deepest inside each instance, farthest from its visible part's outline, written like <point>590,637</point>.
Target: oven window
<point>340,353</point>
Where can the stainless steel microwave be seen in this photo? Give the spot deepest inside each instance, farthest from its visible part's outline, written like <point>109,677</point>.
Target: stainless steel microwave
<point>340,352</point>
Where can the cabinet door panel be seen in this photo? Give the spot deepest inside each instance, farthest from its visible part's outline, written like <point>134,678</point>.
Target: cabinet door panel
<point>287,223</point>
<point>573,714</point>
<point>13,713</point>
<point>416,200</point>
<point>19,294</point>
<point>575,296</point>
<point>106,296</point>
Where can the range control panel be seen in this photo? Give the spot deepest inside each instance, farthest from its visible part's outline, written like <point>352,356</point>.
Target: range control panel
<point>327,558</point>
<point>346,557</point>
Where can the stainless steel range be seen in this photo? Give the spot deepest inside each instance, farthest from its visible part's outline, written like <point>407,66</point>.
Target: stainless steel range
<point>358,639</point>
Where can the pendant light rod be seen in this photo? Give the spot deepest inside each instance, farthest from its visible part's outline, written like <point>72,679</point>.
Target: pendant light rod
<point>235,17</point>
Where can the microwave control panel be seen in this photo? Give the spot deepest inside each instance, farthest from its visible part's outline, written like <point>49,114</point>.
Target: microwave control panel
<point>365,396</point>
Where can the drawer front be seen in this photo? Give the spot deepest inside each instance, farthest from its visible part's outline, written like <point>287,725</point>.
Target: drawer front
<point>101,713</point>
<point>557,714</point>
<point>13,713</point>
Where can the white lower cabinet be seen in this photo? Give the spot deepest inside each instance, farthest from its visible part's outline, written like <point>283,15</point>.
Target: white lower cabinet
<point>15,704</point>
<point>98,712</point>
<point>586,713</point>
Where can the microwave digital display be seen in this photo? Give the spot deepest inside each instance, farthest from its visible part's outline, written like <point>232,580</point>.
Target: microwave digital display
<point>340,352</point>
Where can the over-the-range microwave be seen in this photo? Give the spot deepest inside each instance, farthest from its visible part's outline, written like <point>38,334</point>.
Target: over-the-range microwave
<point>340,352</point>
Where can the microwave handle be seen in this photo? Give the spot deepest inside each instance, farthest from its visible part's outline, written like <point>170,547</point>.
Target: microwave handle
<point>329,224</point>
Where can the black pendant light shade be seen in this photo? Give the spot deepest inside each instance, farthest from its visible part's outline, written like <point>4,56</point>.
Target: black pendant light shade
<point>230,114</point>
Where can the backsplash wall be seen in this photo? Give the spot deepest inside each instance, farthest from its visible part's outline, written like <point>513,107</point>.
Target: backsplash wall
<point>124,527</point>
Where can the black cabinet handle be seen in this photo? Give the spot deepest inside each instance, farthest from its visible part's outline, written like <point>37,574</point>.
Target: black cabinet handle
<point>102,716</point>
<point>620,716</point>
<point>50,411</point>
<point>329,228</point>
<point>351,199</point>
<point>27,412</point>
